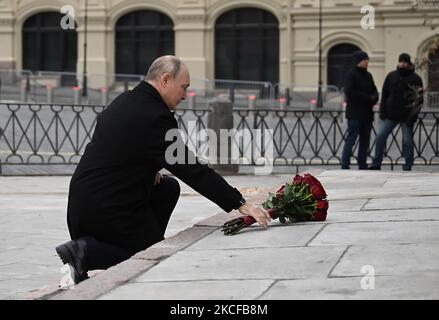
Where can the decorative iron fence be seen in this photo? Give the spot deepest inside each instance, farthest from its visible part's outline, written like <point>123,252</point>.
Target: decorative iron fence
<point>35,134</point>
<point>307,138</point>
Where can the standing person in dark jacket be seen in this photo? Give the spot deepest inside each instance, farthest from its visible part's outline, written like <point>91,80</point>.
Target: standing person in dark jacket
<point>400,104</point>
<point>118,203</point>
<point>361,95</point>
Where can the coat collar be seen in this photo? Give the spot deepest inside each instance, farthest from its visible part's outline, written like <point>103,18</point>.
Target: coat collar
<point>362,70</point>
<point>146,87</point>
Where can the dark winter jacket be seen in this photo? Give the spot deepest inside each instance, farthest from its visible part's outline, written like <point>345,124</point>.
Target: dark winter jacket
<point>361,94</point>
<point>400,100</point>
<point>110,189</point>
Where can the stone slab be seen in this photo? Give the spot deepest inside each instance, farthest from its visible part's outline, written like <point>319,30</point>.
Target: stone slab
<point>191,290</point>
<point>288,235</point>
<point>429,214</point>
<point>385,288</point>
<point>171,245</point>
<point>237,264</point>
<point>346,205</point>
<point>390,260</point>
<point>399,232</point>
<point>403,203</point>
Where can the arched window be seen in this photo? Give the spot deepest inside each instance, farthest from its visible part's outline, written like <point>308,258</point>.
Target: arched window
<point>141,37</point>
<point>46,46</point>
<point>340,60</point>
<point>247,45</point>
<point>433,72</point>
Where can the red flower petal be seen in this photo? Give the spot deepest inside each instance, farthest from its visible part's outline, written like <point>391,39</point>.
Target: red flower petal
<point>315,186</point>
<point>298,180</point>
<point>320,215</point>
<point>322,205</point>
<point>281,189</point>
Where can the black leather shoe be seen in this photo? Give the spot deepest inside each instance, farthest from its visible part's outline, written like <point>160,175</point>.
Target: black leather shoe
<point>374,168</point>
<point>74,254</point>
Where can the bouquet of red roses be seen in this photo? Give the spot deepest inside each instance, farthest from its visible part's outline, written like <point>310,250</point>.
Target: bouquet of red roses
<point>302,200</point>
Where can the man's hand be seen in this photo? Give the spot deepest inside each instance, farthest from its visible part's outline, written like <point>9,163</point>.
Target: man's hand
<point>259,214</point>
<point>158,177</point>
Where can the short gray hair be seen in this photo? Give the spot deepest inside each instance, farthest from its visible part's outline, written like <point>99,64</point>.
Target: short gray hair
<point>165,64</point>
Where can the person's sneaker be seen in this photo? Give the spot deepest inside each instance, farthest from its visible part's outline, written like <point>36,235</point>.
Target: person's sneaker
<point>373,168</point>
<point>74,253</point>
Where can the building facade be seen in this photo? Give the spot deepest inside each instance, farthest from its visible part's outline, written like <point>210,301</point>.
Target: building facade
<point>258,40</point>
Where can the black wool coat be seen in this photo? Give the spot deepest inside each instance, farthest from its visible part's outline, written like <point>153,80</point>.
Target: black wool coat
<point>109,191</point>
<point>361,94</point>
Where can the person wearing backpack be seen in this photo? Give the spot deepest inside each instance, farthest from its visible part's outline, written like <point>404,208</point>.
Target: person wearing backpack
<point>401,101</point>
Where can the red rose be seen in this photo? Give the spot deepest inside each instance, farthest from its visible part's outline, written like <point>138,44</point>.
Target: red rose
<point>322,205</point>
<point>320,215</point>
<point>315,187</point>
<point>298,180</point>
<point>280,192</point>
<point>281,189</point>
<point>321,210</point>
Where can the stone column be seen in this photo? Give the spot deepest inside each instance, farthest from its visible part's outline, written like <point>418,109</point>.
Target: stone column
<point>7,58</point>
<point>97,56</point>
<point>190,40</point>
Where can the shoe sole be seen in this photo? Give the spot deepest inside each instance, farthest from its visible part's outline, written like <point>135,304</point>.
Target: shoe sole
<point>67,258</point>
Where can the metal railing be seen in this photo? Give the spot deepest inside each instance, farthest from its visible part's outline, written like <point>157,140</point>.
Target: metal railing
<point>432,99</point>
<point>307,138</point>
<point>25,86</point>
<point>305,97</point>
<point>42,134</point>
<point>15,84</point>
<point>57,134</point>
<point>244,94</point>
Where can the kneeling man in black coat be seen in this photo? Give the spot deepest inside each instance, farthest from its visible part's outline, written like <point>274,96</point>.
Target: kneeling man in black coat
<point>118,203</point>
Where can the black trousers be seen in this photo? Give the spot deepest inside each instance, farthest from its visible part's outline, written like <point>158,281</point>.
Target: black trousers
<point>164,197</point>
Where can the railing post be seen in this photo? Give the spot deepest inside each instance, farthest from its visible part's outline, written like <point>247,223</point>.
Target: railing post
<point>313,105</point>
<point>232,94</point>
<point>49,93</point>
<point>282,103</point>
<point>252,102</point>
<point>287,96</point>
<point>104,96</point>
<point>76,94</point>
<point>27,86</point>
<point>23,96</point>
<point>191,100</point>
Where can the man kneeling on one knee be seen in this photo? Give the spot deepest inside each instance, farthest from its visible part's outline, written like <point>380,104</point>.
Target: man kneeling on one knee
<point>118,203</point>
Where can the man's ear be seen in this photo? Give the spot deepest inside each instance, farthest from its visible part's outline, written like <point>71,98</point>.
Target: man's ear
<point>165,79</point>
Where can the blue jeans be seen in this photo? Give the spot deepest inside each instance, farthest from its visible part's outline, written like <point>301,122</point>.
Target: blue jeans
<point>385,129</point>
<point>356,128</point>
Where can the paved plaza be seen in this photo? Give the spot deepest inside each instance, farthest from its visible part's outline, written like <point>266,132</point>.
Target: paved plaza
<point>33,223</point>
<point>380,241</point>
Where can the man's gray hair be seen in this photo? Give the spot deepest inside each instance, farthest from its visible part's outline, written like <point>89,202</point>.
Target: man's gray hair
<point>165,64</point>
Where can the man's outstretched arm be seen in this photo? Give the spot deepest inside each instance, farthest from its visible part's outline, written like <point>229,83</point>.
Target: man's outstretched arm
<point>199,176</point>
